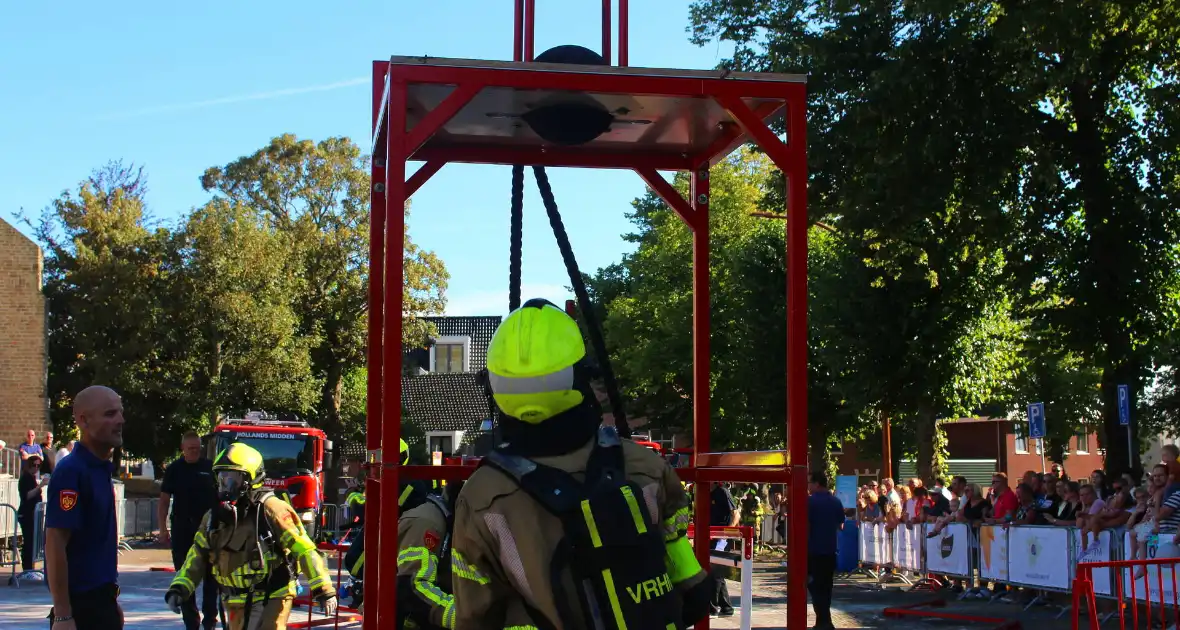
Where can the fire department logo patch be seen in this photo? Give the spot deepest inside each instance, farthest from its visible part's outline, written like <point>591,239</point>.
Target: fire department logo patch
<point>67,499</point>
<point>431,540</point>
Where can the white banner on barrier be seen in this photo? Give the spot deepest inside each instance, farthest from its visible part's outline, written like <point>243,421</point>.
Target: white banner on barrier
<point>1039,556</point>
<point>993,553</point>
<point>1099,551</point>
<point>872,537</point>
<point>906,547</point>
<point>948,552</point>
<point>1161,547</point>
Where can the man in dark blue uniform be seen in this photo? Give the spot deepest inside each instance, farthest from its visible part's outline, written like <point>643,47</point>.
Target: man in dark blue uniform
<point>825,520</point>
<point>81,553</point>
<point>189,486</point>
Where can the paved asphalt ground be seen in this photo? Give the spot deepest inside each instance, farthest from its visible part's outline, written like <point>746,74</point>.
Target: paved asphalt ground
<point>858,602</point>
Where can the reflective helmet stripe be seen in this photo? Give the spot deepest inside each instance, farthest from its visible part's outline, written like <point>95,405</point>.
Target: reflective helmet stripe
<point>560,380</point>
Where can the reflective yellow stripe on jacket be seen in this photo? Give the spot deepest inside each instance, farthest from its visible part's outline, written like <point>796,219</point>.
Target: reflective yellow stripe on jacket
<point>424,565</point>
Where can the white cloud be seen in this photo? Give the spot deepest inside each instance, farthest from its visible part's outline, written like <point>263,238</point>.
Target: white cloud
<point>496,302</point>
<point>240,98</point>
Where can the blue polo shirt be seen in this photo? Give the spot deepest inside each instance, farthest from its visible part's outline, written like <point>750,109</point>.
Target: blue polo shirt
<point>82,500</point>
<point>825,517</point>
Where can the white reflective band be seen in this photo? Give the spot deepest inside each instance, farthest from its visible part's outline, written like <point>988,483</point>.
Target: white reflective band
<point>561,380</point>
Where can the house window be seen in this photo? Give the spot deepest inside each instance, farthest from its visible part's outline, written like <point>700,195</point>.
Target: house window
<point>835,448</point>
<point>444,444</point>
<point>450,355</point>
<point>1083,441</point>
<point>1021,442</point>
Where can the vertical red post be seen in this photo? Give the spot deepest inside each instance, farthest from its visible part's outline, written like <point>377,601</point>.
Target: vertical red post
<point>530,27</point>
<point>518,31</point>
<point>699,191</point>
<point>395,230</point>
<point>797,360</point>
<point>624,20</point>
<point>606,30</point>
<point>373,363</point>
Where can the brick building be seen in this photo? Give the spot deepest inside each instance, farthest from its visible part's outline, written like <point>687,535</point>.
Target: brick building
<point>977,447</point>
<point>22,338</point>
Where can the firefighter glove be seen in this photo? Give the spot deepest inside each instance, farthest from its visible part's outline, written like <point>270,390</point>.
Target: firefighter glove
<point>174,600</point>
<point>329,603</point>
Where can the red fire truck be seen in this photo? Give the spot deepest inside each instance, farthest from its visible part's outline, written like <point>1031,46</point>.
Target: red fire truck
<point>294,453</point>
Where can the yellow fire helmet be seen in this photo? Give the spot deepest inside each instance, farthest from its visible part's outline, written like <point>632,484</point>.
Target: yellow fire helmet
<point>532,362</point>
<point>405,453</point>
<point>243,458</point>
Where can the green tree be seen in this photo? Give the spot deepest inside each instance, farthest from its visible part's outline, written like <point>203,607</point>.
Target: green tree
<point>647,301</point>
<point>238,288</point>
<point>108,279</point>
<point>316,196</point>
<point>926,323</point>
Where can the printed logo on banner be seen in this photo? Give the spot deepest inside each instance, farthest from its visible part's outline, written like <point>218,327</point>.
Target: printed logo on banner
<point>1034,544</point>
<point>947,545</point>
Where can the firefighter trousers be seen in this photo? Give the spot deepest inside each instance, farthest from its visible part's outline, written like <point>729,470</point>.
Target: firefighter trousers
<point>272,615</point>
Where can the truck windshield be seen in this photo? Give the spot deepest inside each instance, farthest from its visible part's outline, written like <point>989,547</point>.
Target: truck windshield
<point>282,453</point>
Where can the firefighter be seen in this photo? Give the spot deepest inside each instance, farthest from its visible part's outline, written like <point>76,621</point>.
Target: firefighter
<point>355,502</point>
<point>565,525</point>
<point>424,563</point>
<point>256,545</point>
<point>410,496</point>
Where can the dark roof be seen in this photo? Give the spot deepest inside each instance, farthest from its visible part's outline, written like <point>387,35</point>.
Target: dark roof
<point>479,328</point>
<point>444,402</point>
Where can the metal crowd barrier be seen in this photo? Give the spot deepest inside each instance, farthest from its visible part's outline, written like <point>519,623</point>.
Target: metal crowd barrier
<point>136,521</point>
<point>10,549</point>
<point>1039,557</point>
<point>1152,595</point>
<point>10,464</point>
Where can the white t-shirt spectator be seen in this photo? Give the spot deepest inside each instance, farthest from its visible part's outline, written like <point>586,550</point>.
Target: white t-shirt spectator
<point>62,452</point>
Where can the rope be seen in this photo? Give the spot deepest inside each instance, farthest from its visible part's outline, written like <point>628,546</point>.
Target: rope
<point>517,236</point>
<point>571,265</point>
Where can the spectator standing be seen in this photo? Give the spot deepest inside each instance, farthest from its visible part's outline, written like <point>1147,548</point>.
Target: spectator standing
<point>190,487</point>
<point>825,519</point>
<point>47,452</point>
<point>30,446</point>
<point>65,450</point>
<point>29,485</point>
<point>81,553</point>
<point>1004,501</point>
<point>1066,511</point>
<point>940,488</point>
<point>722,513</point>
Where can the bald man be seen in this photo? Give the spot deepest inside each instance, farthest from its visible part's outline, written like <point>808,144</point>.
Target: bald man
<point>81,553</point>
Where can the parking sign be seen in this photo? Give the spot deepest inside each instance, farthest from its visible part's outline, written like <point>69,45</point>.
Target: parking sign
<point>1036,420</point>
<point>1124,406</point>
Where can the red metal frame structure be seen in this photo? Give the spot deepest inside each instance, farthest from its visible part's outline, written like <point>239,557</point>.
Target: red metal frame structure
<point>437,111</point>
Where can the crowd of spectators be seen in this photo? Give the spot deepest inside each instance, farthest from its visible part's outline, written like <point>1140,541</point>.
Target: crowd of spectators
<point>1150,512</point>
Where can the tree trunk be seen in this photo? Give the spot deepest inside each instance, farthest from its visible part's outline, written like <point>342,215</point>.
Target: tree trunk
<point>330,400</point>
<point>924,430</point>
<point>1111,255</point>
<point>817,441</point>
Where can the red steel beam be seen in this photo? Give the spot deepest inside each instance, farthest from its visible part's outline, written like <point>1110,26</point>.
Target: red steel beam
<point>437,117</point>
<point>445,472</point>
<point>735,137</point>
<point>669,194</point>
<point>699,199</point>
<point>518,31</point>
<point>530,25</point>
<point>551,156</point>
<point>395,229</point>
<point>422,175</point>
<point>376,308</point>
<point>593,82</point>
<point>624,23</point>
<point>606,30</point>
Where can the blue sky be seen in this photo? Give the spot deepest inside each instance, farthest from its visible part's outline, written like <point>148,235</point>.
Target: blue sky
<point>179,87</point>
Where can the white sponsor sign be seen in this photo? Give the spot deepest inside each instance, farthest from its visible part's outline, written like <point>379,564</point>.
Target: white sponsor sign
<point>993,552</point>
<point>872,538</point>
<point>1162,546</point>
<point>907,547</point>
<point>1039,556</point>
<point>1096,551</point>
<point>947,553</point>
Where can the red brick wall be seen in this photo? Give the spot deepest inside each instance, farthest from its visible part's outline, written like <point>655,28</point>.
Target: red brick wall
<point>22,338</point>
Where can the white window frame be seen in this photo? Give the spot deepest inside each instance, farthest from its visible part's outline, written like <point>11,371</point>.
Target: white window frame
<point>456,440</point>
<point>464,340</point>
<point>1019,438</point>
<point>1083,448</point>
